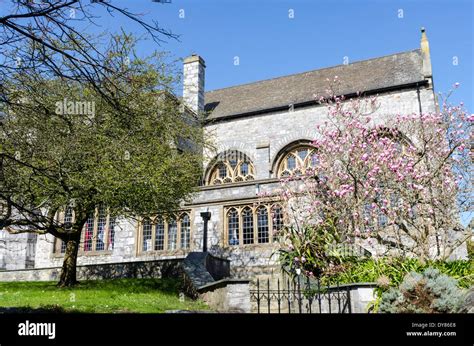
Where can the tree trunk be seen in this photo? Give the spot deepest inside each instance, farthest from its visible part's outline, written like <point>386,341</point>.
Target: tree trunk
<point>68,272</point>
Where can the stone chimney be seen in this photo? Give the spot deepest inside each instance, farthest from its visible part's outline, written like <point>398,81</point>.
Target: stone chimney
<point>193,83</point>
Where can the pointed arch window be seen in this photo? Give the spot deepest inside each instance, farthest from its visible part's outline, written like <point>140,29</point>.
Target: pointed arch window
<point>185,231</point>
<point>89,233</point>
<point>147,235</point>
<point>172,234</point>
<point>297,161</point>
<point>247,224</point>
<point>159,234</point>
<point>233,166</point>
<point>98,233</point>
<point>111,232</point>
<point>101,224</point>
<point>233,227</point>
<point>276,220</point>
<point>68,217</point>
<point>262,225</point>
<point>166,233</point>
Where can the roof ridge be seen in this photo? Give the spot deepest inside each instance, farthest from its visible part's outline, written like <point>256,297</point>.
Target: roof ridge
<point>319,69</point>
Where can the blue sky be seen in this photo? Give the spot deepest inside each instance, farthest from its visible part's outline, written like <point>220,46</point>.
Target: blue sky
<point>269,44</point>
<point>322,32</point>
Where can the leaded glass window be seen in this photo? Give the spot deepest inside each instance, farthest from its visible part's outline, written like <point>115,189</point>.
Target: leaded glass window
<point>262,224</point>
<point>246,225</point>
<point>160,234</point>
<point>185,231</point>
<point>233,166</point>
<point>89,233</point>
<point>297,161</point>
<point>233,227</point>
<point>147,235</point>
<point>172,234</point>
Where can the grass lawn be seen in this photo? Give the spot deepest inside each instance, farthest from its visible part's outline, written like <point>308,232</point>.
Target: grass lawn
<point>102,296</point>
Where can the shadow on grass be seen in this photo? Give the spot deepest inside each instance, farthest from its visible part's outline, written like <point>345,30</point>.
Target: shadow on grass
<point>97,296</point>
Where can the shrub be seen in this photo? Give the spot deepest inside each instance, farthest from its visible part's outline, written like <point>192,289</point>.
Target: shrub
<point>470,249</point>
<point>389,272</point>
<point>428,292</point>
<point>308,250</point>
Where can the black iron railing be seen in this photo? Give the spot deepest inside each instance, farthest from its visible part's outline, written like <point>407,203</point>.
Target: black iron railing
<point>300,296</point>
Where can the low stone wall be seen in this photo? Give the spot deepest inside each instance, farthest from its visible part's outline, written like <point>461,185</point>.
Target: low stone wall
<point>138,269</point>
<point>227,295</point>
<point>362,294</point>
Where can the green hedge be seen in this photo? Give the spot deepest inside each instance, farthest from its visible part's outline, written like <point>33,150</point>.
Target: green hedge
<point>370,270</point>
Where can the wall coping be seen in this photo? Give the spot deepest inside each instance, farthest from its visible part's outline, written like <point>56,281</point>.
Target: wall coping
<point>356,285</point>
<point>221,283</point>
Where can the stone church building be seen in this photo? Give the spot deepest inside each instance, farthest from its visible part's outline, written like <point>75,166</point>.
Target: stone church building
<point>262,131</point>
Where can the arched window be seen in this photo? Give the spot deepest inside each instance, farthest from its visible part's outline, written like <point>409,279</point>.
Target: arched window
<point>297,161</point>
<point>277,220</point>
<point>252,224</point>
<point>168,233</point>
<point>111,232</point>
<point>159,234</point>
<point>172,234</point>
<point>68,215</point>
<point>98,233</point>
<point>147,235</point>
<point>185,231</point>
<point>233,227</point>
<point>89,233</point>
<point>262,224</point>
<point>247,226</point>
<point>101,223</point>
<point>232,166</point>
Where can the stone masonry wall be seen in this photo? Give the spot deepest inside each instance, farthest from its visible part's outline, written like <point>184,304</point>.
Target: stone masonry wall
<point>261,138</point>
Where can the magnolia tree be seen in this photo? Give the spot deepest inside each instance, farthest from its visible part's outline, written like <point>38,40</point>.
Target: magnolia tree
<point>393,185</point>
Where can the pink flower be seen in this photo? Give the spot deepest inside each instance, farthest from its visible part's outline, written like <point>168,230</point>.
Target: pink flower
<point>365,157</point>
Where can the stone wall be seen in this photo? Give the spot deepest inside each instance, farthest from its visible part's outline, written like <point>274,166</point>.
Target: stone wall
<point>137,269</point>
<point>261,137</point>
<point>277,130</point>
<point>17,251</point>
<point>228,295</point>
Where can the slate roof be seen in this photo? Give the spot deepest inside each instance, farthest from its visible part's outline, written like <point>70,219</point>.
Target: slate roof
<point>379,73</point>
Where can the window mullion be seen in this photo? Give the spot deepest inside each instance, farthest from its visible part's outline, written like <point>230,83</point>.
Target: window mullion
<point>94,230</point>
<point>153,233</point>
<point>241,227</point>
<point>255,225</point>
<point>178,233</point>
<point>166,230</point>
<point>270,223</point>
<point>106,231</point>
